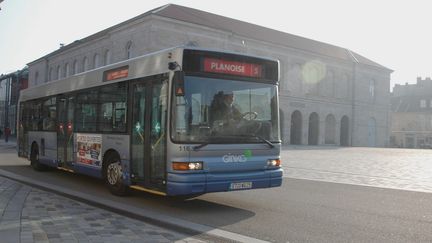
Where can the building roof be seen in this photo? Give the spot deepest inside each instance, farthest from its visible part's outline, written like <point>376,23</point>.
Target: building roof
<point>240,28</point>
<point>22,73</point>
<point>411,104</point>
<point>407,98</point>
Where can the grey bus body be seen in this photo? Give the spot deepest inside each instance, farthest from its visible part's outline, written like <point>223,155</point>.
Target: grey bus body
<point>144,154</point>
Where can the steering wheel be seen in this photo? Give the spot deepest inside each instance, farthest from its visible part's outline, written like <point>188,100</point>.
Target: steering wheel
<point>250,115</point>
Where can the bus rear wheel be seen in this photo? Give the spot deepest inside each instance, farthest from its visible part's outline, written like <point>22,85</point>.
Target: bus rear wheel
<point>34,159</point>
<point>114,175</point>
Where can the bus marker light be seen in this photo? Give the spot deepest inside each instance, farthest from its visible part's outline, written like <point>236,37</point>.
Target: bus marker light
<point>274,162</point>
<point>187,166</point>
<point>179,91</point>
<point>195,166</point>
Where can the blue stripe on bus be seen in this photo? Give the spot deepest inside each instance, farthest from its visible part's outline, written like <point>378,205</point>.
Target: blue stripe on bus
<point>48,161</point>
<point>88,170</point>
<point>180,184</point>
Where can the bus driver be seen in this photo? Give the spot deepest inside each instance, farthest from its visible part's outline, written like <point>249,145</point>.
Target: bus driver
<point>222,108</point>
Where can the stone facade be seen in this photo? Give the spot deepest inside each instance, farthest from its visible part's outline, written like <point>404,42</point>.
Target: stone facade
<point>10,86</point>
<point>411,125</point>
<point>334,98</point>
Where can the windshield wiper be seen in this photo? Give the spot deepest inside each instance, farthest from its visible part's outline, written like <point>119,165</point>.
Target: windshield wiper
<point>260,138</point>
<point>200,146</point>
<point>210,139</point>
<point>213,139</point>
<point>270,144</point>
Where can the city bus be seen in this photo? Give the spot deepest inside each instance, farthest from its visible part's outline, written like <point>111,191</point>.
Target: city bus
<point>154,123</point>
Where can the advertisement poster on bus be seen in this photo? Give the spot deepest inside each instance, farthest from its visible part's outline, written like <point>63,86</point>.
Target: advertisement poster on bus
<point>89,149</point>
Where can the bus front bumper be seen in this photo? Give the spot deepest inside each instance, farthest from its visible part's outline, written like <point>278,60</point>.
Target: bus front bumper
<point>200,183</point>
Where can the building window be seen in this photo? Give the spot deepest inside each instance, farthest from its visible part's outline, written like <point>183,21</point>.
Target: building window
<point>295,78</point>
<point>51,74</point>
<point>96,62</point>
<point>311,75</point>
<point>58,72</point>
<point>372,90</point>
<point>107,57</point>
<point>284,77</point>
<point>85,64</point>
<point>430,103</point>
<point>326,86</point>
<point>36,78</point>
<point>344,86</point>
<point>75,67</point>
<point>422,103</point>
<point>66,70</point>
<point>129,50</point>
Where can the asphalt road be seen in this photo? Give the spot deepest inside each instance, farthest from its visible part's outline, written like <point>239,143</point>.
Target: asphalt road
<point>299,211</point>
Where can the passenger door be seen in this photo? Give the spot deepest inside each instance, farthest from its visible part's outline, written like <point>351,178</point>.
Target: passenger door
<point>148,139</point>
<point>23,129</point>
<point>65,108</point>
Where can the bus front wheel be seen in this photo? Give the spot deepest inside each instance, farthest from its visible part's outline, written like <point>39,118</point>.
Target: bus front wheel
<point>114,175</point>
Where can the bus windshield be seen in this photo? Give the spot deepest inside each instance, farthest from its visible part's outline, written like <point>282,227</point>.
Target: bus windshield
<point>225,111</point>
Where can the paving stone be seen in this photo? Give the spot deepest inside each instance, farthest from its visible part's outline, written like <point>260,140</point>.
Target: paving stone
<point>32,215</point>
<point>408,169</point>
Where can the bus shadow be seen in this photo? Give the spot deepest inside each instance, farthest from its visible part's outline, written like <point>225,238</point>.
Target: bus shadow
<point>211,212</point>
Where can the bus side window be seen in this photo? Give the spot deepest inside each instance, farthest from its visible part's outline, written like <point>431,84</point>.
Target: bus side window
<point>49,115</point>
<point>86,111</point>
<point>112,113</point>
<point>37,119</point>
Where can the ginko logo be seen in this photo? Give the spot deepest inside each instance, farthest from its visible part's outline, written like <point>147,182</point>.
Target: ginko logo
<point>230,158</point>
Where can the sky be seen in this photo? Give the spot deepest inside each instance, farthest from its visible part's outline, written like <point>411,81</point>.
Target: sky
<point>395,34</point>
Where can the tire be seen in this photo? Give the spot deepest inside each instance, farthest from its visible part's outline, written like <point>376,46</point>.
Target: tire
<point>113,175</point>
<point>34,159</point>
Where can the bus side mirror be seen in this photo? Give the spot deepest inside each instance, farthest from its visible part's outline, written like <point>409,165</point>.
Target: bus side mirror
<point>178,81</point>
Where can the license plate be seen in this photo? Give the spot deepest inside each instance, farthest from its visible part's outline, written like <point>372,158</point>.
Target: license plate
<point>240,185</point>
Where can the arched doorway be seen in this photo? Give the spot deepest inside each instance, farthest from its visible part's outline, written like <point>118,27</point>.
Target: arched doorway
<point>313,129</point>
<point>296,128</point>
<point>372,132</point>
<point>344,131</point>
<point>330,130</point>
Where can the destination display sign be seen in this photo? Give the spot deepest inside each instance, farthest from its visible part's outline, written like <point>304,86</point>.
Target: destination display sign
<point>118,73</point>
<point>214,65</point>
<point>223,65</point>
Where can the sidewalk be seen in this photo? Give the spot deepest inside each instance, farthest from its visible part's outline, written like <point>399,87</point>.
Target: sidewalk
<point>11,142</point>
<point>47,212</point>
<point>32,215</point>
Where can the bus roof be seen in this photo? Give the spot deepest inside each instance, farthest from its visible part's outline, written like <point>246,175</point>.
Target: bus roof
<point>146,65</point>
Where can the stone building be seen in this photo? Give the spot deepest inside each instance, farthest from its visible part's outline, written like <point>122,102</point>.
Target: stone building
<point>329,95</point>
<point>10,86</point>
<point>411,106</point>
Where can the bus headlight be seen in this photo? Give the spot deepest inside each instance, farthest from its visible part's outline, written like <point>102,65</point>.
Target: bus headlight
<point>187,165</point>
<point>274,162</point>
